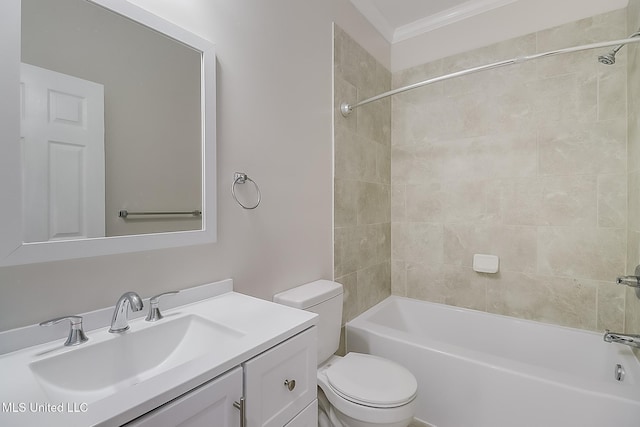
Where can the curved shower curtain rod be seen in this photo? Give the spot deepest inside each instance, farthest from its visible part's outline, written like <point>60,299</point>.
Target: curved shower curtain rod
<point>346,108</point>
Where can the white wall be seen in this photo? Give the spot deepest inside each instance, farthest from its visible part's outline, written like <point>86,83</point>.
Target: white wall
<point>274,123</point>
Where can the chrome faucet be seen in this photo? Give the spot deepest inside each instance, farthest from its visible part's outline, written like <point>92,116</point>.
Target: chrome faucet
<point>626,339</point>
<point>632,281</point>
<point>120,321</point>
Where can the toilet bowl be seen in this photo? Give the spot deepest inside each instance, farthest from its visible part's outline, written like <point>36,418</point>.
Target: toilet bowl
<point>356,390</point>
<point>364,390</point>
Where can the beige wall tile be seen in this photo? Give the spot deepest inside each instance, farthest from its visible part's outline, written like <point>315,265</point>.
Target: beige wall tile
<point>612,200</point>
<point>634,138</point>
<point>355,156</point>
<point>423,202</point>
<point>520,201</point>
<point>633,251</point>
<point>373,203</point>
<point>374,120</point>
<point>398,209</point>
<point>425,282</point>
<point>383,163</point>
<point>611,298</point>
<point>362,190</point>
<point>344,92</point>
<point>345,202</point>
<point>398,278</point>
<point>350,305</point>
<point>464,287</point>
<point>588,253</point>
<point>515,245</point>
<point>353,63</point>
<point>360,247</point>
<point>568,97</point>
<point>374,284</point>
<point>632,312</point>
<point>346,250</point>
<point>418,74</point>
<point>418,243</point>
<point>562,301</point>
<point>607,26</point>
<point>465,201</point>
<point>568,200</point>
<point>575,148</point>
<point>507,49</point>
<point>612,93</point>
<point>634,200</point>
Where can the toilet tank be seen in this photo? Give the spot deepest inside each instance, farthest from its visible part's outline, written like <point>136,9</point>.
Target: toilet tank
<point>323,297</point>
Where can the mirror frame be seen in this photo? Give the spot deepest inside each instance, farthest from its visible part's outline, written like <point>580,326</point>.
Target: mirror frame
<point>13,251</point>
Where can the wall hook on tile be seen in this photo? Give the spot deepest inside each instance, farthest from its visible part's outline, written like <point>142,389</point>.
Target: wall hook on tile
<point>242,178</point>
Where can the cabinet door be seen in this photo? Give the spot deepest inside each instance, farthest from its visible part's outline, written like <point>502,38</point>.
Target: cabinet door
<point>208,405</point>
<point>272,398</point>
<point>307,418</point>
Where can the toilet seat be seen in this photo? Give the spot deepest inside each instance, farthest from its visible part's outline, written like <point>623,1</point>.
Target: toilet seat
<point>371,381</point>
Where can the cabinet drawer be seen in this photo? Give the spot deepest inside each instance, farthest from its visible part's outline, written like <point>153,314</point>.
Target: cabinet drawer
<point>272,397</point>
<point>307,418</point>
<point>208,405</point>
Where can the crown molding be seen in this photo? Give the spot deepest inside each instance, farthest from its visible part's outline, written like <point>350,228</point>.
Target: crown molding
<point>446,17</point>
<point>373,15</point>
<point>428,23</point>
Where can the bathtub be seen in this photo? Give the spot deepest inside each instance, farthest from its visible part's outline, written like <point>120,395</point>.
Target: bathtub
<point>476,369</point>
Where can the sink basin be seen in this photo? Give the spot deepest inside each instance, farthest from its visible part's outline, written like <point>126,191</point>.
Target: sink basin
<point>95,370</point>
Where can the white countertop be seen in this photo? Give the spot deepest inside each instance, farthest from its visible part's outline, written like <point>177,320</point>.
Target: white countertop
<point>263,324</point>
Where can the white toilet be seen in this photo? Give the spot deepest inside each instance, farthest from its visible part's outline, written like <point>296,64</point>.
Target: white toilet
<point>357,390</point>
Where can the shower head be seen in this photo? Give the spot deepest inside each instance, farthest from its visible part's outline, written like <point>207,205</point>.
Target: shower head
<point>610,58</point>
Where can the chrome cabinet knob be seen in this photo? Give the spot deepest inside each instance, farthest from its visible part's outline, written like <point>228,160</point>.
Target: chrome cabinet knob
<point>290,384</point>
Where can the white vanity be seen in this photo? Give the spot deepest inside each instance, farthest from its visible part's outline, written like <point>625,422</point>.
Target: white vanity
<point>220,358</point>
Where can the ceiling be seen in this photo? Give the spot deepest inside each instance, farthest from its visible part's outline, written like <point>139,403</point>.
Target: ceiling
<point>399,20</point>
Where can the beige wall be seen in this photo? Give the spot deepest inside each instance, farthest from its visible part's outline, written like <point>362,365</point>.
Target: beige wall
<point>362,196</point>
<point>274,122</point>
<point>527,163</point>
<point>152,106</point>
<point>632,313</point>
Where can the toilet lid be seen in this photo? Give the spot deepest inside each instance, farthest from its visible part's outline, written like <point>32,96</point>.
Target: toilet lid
<point>372,381</point>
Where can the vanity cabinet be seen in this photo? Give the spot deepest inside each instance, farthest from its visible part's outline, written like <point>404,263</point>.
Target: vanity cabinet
<point>211,404</point>
<point>281,382</point>
<point>279,390</point>
<point>307,418</point>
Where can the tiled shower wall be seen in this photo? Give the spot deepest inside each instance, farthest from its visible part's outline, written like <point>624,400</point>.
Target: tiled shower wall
<point>362,230</point>
<point>632,313</point>
<point>527,162</point>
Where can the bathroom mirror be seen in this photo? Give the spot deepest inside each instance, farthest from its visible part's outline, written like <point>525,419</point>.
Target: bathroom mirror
<point>151,86</point>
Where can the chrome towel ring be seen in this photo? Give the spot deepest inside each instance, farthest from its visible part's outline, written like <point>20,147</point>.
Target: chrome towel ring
<point>241,178</point>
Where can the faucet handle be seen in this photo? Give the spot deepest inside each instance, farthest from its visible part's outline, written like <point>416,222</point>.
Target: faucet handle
<point>154,310</point>
<point>76,334</point>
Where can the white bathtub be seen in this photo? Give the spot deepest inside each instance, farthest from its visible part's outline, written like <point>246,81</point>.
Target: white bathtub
<point>476,369</point>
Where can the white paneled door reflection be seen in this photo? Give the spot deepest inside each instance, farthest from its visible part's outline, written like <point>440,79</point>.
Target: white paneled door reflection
<point>62,136</point>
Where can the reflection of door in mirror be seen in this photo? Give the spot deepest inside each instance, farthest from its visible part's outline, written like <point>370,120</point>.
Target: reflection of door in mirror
<point>152,108</point>
<point>62,139</point>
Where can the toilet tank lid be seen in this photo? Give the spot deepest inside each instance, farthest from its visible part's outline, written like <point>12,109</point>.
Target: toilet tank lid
<point>308,295</point>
